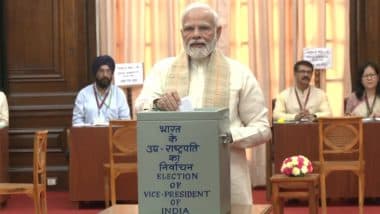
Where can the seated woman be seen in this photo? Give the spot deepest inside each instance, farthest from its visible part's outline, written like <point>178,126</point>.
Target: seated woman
<point>3,110</point>
<point>365,101</point>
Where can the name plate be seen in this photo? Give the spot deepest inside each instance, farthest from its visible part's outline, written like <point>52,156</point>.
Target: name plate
<point>183,165</point>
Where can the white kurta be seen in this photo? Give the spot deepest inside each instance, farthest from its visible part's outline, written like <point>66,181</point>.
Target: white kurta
<point>4,113</point>
<point>249,124</point>
<point>287,106</point>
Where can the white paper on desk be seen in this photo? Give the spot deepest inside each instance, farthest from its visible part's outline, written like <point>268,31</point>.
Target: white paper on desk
<point>186,104</point>
<point>100,123</point>
<point>368,119</point>
<point>81,125</point>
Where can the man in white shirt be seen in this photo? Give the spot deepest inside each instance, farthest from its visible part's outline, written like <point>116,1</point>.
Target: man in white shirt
<point>4,112</point>
<point>303,101</point>
<point>210,79</point>
<point>101,101</point>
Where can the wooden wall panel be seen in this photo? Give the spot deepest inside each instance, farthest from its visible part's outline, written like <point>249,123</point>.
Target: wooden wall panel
<point>49,47</point>
<point>45,47</point>
<point>364,34</point>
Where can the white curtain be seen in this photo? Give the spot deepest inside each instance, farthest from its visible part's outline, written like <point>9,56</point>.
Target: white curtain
<point>266,35</point>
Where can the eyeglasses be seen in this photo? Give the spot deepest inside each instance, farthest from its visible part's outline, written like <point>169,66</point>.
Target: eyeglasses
<point>369,76</point>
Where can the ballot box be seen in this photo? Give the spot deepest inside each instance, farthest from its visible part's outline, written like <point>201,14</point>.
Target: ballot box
<point>183,162</point>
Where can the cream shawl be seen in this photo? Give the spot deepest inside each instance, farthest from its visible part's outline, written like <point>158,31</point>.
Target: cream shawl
<point>217,79</point>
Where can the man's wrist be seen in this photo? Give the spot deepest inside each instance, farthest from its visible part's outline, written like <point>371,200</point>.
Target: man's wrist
<point>227,138</point>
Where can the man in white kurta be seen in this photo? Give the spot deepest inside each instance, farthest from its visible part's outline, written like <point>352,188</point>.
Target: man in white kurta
<point>302,101</point>
<point>249,124</point>
<point>287,107</point>
<point>100,102</point>
<point>4,114</point>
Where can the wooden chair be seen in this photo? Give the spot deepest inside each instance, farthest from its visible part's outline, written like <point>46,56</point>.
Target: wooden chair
<point>37,189</point>
<point>285,187</point>
<point>122,144</point>
<point>68,144</point>
<point>341,149</point>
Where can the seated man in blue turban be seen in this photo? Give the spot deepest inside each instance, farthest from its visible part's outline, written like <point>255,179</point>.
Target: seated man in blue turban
<point>101,101</point>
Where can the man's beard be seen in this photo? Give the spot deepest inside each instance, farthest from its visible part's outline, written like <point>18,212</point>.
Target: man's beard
<point>200,52</point>
<point>103,83</point>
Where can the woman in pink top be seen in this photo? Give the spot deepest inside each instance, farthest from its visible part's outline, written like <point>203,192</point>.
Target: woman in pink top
<point>365,101</point>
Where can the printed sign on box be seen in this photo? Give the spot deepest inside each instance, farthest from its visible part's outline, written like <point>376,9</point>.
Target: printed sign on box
<point>129,74</point>
<point>183,162</point>
<point>321,58</point>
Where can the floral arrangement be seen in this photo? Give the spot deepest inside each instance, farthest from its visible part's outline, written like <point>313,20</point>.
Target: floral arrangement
<point>297,165</point>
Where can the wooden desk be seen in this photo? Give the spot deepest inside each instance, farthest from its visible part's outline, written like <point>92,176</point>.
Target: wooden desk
<point>236,209</point>
<point>3,159</point>
<point>292,139</point>
<point>88,153</point>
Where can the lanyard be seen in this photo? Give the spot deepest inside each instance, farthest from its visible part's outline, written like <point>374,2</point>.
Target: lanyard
<point>100,105</point>
<point>302,107</point>
<point>369,108</point>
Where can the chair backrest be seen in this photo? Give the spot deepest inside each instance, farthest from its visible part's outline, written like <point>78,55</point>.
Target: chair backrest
<point>340,137</point>
<point>122,139</point>
<point>39,158</point>
<point>68,139</point>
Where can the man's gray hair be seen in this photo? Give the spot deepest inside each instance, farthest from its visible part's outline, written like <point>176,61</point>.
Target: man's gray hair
<point>200,5</point>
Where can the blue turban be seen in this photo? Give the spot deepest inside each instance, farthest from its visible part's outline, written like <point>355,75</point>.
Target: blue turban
<point>103,60</point>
